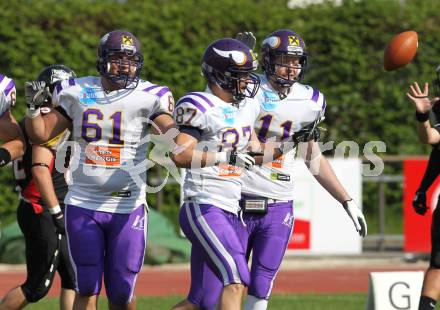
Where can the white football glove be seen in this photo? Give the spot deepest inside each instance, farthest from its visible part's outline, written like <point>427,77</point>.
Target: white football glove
<point>247,38</point>
<point>356,216</point>
<point>241,160</point>
<point>36,93</point>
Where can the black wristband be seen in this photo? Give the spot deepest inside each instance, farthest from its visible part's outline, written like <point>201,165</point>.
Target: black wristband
<point>5,157</point>
<point>422,117</point>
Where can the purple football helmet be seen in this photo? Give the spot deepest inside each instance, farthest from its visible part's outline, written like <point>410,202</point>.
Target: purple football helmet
<point>227,62</point>
<point>281,43</point>
<point>111,49</point>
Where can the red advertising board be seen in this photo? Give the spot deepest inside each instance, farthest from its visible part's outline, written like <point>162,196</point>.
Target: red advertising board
<point>300,239</point>
<point>417,238</point>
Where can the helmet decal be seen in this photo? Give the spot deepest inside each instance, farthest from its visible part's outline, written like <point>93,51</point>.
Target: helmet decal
<point>273,42</point>
<point>237,56</point>
<point>229,64</point>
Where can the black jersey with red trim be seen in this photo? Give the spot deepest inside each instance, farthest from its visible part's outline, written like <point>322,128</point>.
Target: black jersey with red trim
<point>22,169</point>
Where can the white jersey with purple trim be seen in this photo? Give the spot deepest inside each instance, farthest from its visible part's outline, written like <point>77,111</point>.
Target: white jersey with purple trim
<point>108,168</point>
<point>7,94</point>
<point>279,119</point>
<point>222,127</point>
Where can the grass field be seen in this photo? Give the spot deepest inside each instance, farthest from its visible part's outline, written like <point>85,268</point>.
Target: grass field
<point>277,302</point>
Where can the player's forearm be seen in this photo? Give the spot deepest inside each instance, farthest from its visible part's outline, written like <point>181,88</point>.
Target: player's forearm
<point>328,179</point>
<point>193,158</point>
<point>43,180</point>
<point>427,134</point>
<point>15,148</point>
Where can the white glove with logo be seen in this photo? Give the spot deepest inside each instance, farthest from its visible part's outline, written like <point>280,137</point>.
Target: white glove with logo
<point>356,216</point>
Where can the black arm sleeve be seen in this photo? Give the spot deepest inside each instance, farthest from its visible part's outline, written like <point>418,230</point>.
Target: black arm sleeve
<point>192,131</point>
<point>432,171</point>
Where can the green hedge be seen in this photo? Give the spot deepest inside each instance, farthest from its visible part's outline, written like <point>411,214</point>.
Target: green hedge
<point>345,44</point>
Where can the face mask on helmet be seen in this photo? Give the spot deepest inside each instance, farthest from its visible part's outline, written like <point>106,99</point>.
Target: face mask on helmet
<point>284,57</point>
<point>229,64</point>
<point>54,74</point>
<point>119,59</point>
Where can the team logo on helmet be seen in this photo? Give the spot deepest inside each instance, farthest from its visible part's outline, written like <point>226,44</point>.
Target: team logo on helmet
<point>294,41</point>
<point>273,42</point>
<point>237,56</point>
<point>127,40</point>
<point>127,43</point>
<point>59,74</point>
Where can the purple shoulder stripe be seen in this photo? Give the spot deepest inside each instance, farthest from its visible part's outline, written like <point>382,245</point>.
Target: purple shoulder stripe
<point>315,95</point>
<point>9,87</point>
<point>151,87</point>
<point>203,97</point>
<point>193,102</point>
<point>72,82</point>
<point>162,92</point>
<point>58,87</point>
<point>2,77</point>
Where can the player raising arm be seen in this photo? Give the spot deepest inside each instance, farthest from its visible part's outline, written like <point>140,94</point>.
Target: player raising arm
<point>429,135</point>
<point>40,215</point>
<point>109,116</point>
<point>423,105</point>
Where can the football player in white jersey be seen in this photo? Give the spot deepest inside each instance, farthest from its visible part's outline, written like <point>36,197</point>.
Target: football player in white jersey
<point>214,125</point>
<point>288,109</point>
<point>10,132</point>
<point>106,219</point>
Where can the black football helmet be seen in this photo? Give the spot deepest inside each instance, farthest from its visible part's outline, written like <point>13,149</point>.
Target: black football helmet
<point>52,75</point>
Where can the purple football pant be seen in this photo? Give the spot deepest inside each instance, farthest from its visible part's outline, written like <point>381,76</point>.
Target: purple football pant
<point>267,236</point>
<point>109,244</point>
<point>217,255</point>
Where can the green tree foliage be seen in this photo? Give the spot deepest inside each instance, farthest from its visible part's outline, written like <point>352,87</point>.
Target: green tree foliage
<point>345,44</point>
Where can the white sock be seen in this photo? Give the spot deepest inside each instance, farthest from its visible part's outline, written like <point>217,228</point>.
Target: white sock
<point>254,303</point>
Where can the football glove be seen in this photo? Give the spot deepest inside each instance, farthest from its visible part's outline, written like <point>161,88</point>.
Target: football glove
<point>58,220</point>
<point>241,160</point>
<point>419,202</point>
<point>36,94</point>
<point>247,38</point>
<point>356,216</point>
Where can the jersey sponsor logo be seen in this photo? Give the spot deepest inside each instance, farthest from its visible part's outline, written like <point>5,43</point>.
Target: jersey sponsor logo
<point>88,96</point>
<point>277,163</point>
<point>225,170</point>
<point>121,194</point>
<point>103,155</point>
<point>229,115</point>
<point>270,101</point>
